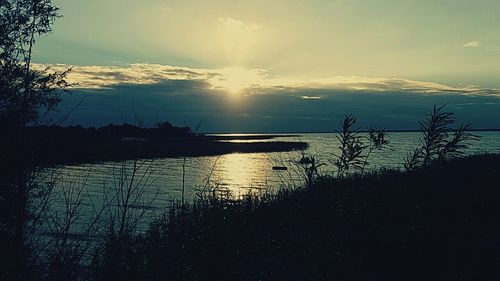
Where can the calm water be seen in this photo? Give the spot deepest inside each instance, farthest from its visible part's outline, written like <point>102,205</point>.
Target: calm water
<point>237,172</point>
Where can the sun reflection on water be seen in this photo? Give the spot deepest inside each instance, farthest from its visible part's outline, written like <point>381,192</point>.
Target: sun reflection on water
<point>241,173</point>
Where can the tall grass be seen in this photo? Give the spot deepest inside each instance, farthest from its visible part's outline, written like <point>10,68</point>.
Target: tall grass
<point>387,225</point>
<point>436,142</point>
<point>355,148</point>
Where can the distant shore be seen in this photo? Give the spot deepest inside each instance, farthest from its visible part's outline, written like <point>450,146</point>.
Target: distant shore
<point>298,133</point>
<point>57,152</point>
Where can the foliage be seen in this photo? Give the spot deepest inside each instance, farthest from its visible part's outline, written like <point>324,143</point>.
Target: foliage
<point>312,232</point>
<point>377,140</point>
<point>355,149</point>
<point>351,147</point>
<point>379,226</point>
<point>310,168</point>
<point>26,93</point>
<point>436,144</point>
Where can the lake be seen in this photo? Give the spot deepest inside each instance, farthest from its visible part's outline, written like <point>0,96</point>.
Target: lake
<point>160,181</point>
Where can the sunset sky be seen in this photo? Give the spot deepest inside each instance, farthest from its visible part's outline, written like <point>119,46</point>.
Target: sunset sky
<point>278,65</point>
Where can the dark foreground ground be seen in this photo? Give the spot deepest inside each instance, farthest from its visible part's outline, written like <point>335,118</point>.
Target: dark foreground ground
<point>438,223</point>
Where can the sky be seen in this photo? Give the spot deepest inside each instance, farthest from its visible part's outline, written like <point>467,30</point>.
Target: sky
<point>246,66</point>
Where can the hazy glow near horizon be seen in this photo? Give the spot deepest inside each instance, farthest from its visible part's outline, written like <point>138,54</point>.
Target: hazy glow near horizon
<point>443,41</point>
<point>239,81</point>
<point>235,79</point>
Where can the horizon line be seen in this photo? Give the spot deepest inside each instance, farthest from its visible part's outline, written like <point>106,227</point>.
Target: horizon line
<point>361,131</point>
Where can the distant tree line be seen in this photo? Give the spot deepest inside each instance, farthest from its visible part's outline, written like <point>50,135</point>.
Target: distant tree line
<point>111,131</point>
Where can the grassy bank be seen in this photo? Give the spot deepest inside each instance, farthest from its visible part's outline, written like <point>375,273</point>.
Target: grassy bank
<point>435,223</point>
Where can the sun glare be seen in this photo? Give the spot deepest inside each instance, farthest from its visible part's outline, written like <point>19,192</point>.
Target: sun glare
<point>238,38</point>
<point>236,79</point>
<point>243,171</point>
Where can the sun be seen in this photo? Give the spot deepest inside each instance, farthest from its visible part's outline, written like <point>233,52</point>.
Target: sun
<point>238,39</point>
<point>236,79</point>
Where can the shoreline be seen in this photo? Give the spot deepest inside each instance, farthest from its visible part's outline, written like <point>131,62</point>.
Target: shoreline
<point>297,134</point>
<point>85,151</point>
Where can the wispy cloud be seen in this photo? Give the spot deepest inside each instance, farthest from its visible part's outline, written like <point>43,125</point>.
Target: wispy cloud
<point>235,24</point>
<point>377,84</point>
<point>166,9</point>
<point>471,44</point>
<point>95,77</point>
<point>255,81</point>
<point>310,97</point>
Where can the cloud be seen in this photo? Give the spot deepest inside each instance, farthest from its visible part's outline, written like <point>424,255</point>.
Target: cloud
<point>268,104</point>
<point>232,23</point>
<point>96,77</point>
<point>377,84</point>
<point>274,110</point>
<point>310,97</point>
<point>471,44</point>
<point>167,9</point>
<point>250,81</point>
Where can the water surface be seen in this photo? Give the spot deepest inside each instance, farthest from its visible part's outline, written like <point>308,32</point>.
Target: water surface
<point>240,173</point>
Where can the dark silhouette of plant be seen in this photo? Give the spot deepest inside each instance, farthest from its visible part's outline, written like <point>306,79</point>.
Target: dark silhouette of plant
<point>413,159</point>
<point>72,230</point>
<point>132,197</point>
<point>310,168</point>
<point>356,229</point>
<point>435,133</point>
<point>460,140</point>
<point>377,140</point>
<point>355,149</point>
<point>351,147</point>
<point>436,143</point>
<point>190,131</point>
<point>26,93</point>
<point>211,191</point>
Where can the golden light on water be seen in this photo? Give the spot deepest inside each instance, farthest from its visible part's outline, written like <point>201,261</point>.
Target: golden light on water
<point>242,171</point>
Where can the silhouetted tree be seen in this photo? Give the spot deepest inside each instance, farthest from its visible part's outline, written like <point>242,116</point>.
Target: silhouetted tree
<point>27,93</point>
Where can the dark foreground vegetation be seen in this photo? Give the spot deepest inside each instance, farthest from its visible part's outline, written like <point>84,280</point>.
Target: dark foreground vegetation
<point>75,144</point>
<point>440,222</point>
